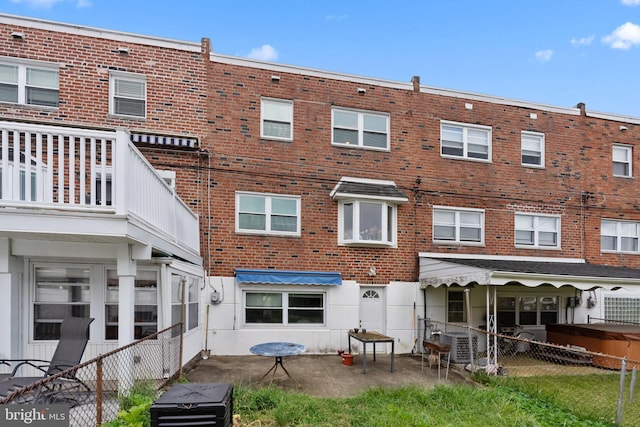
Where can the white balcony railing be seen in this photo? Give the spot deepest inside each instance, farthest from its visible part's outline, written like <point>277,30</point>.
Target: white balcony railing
<point>51,167</point>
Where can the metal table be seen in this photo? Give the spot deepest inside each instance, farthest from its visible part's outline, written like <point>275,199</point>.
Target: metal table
<point>278,350</point>
<point>371,337</point>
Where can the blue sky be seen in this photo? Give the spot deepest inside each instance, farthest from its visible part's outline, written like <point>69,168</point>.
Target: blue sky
<point>557,52</point>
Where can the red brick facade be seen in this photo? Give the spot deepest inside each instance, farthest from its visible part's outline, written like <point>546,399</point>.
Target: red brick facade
<point>218,102</point>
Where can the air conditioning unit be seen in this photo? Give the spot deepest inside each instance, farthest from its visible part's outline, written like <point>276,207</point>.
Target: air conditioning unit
<point>194,405</point>
<point>459,343</point>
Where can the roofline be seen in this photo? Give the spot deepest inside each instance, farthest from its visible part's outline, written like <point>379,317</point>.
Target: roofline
<point>82,30</point>
<point>499,257</point>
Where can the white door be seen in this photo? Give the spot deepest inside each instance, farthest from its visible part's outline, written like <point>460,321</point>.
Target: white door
<point>372,312</point>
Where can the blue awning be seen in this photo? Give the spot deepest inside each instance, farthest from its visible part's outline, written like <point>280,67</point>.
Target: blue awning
<point>282,277</point>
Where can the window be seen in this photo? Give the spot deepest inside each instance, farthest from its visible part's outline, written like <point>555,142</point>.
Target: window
<point>458,225</point>
<point>60,292</point>
<point>145,304</point>
<point>367,222</point>
<point>532,149</point>
<point>189,286</point>
<point>456,306</point>
<point>128,94</point>
<point>277,119</point>
<point>622,309</point>
<point>619,236</point>
<point>360,129</point>
<point>537,231</point>
<point>526,310</point>
<point>29,84</point>
<point>465,141</point>
<point>267,214</point>
<point>622,160</point>
<point>284,308</point>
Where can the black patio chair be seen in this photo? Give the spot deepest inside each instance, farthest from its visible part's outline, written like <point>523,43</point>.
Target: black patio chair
<point>67,388</point>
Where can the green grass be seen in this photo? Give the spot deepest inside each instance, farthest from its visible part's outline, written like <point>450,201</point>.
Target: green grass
<point>460,405</point>
<point>594,396</point>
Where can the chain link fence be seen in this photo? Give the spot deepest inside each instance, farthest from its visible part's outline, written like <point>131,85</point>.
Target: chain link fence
<point>94,389</point>
<point>598,384</point>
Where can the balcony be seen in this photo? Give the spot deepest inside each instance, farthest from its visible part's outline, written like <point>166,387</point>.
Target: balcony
<point>80,185</point>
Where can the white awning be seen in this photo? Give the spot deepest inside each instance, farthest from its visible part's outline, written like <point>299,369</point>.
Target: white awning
<point>444,271</point>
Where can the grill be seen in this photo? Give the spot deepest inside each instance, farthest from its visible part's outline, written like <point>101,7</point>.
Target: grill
<point>194,405</point>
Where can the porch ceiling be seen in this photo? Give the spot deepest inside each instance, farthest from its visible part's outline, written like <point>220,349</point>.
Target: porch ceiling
<point>436,271</point>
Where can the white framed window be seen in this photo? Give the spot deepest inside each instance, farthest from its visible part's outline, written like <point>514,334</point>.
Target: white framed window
<point>622,155</point>
<point>284,308</point>
<point>181,284</point>
<point>367,222</point>
<point>29,83</point>
<point>60,292</point>
<point>276,121</point>
<point>532,149</point>
<point>537,231</point>
<point>267,214</point>
<point>456,306</point>
<point>458,225</point>
<point>526,310</point>
<point>127,94</point>
<point>619,236</point>
<point>145,304</point>
<point>363,129</point>
<point>459,140</point>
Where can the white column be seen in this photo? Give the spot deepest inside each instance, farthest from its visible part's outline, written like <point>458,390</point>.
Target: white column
<point>126,302</point>
<point>6,309</point>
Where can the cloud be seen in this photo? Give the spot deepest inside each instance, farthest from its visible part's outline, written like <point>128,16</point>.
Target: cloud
<point>631,2</point>
<point>336,17</point>
<point>544,55</point>
<point>583,41</point>
<point>624,37</point>
<point>265,53</point>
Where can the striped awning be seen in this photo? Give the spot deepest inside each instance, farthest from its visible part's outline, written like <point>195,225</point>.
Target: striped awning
<point>165,140</point>
<point>283,277</point>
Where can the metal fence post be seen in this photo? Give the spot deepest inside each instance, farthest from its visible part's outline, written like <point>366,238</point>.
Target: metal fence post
<point>623,368</point>
<point>99,392</point>
<point>632,386</point>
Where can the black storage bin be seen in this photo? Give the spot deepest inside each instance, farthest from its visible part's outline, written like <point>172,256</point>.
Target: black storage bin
<point>194,405</point>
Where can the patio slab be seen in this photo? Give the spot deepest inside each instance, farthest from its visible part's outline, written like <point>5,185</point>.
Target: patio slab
<point>321,375</point>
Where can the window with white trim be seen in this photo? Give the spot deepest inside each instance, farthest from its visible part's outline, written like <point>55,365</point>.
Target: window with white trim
<point>368,222</point>
<point>188,287</point>
<point>532,149</point>
<point>458,225</point>
<point>60,292</point>
<point>364,129</point>
<point>465,141</point>
<point>619,236</point>
<point>456,306</point>
<point>29,83</point>
<point>127,94</point>
<point>276,119</point>
<point>526,310</point>
<point>284,308</point>
<point>622,155</point>
<point>267,214</point>
<point>145,295</point>
<point>537,231</point>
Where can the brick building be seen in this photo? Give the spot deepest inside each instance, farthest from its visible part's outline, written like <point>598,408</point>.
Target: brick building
<point>329,201</point>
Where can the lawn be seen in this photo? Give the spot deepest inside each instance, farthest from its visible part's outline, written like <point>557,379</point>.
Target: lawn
<point>460,405</point>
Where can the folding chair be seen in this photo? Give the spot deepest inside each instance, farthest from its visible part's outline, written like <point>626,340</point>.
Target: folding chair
<point>74,335</point>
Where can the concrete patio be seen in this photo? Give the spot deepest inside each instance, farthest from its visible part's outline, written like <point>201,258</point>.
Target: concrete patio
<point>322,375</point>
